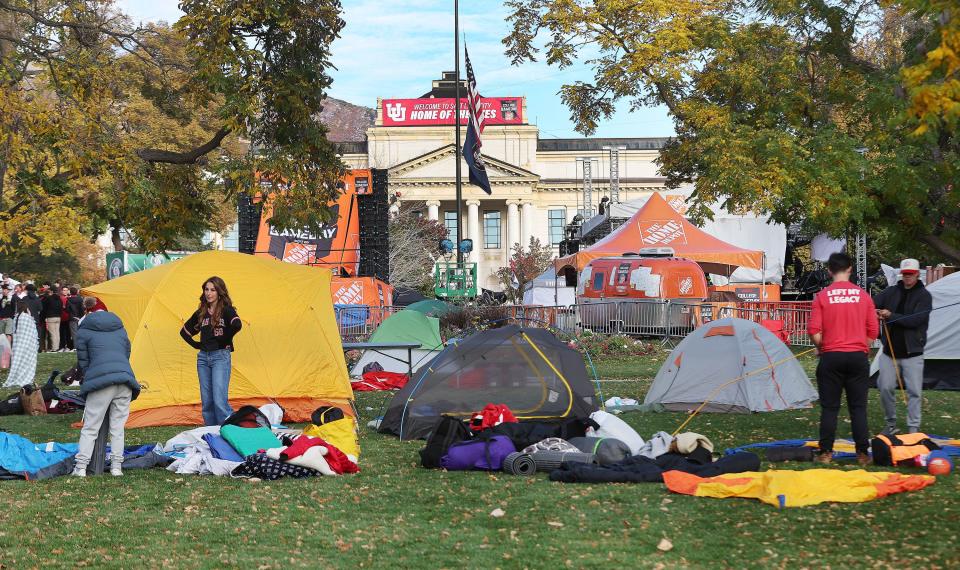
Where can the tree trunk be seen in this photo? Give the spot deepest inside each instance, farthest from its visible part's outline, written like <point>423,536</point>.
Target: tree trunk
<point>943,248</point>
<point>115,235</point>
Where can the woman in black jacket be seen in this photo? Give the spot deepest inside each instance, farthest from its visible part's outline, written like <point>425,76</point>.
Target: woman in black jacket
<point>216,322</point>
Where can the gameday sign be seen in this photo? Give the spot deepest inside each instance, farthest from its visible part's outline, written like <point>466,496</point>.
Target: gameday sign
<point>432,112</point>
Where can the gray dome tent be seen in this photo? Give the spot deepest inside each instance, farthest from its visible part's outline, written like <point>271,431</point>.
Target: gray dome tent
<point>707,364</point>
<point>528,369</point>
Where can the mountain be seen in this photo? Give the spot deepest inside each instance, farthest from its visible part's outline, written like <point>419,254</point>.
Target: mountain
<point>347,122</point>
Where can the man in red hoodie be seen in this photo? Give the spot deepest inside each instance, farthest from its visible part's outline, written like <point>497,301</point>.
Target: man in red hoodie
<point>843,323</point>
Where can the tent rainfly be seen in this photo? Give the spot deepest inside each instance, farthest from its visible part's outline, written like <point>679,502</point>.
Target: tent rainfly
<point>288,352</point>
<point>527,369</point>
<point>734,365</point>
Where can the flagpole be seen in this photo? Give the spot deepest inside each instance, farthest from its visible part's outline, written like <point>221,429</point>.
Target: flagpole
<point>456,119</point>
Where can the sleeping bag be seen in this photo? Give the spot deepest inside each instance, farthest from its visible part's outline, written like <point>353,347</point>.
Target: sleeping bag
<point>248,441</point>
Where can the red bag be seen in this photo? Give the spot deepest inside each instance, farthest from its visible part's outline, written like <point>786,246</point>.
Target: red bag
<point>491,415</point>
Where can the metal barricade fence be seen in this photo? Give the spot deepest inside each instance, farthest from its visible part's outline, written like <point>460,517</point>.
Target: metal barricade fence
<point>357,322</point>
<point>648,318</point>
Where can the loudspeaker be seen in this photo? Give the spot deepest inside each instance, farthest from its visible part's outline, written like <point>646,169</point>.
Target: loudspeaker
<point>248,223</point>
<point>373,212</point>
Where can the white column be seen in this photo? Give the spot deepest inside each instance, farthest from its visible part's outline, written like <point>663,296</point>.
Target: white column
<point>513,226</point>
<point>433,210</point>
<point>527,223</point>
<point>474,232</point>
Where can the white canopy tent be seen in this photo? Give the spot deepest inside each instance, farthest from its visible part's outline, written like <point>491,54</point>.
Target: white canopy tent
<point>548,290</point>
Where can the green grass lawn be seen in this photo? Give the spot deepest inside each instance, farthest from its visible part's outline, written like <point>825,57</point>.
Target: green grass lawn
<point>395,513</point>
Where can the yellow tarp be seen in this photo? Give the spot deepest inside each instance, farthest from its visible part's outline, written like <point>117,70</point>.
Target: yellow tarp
<point>289,350</point>
<point>798,488</point>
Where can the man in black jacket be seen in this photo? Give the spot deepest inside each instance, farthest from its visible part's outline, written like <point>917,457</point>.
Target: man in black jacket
<point>36,309</point>
<point>75,310</point>
<point>52,310</point>
<point>8,307</point>
<point>905,310</point>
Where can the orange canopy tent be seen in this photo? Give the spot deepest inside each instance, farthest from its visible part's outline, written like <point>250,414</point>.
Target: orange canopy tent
<point>657,224</point>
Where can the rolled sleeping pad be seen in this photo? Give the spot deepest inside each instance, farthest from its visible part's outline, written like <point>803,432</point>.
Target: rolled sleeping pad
<point>521,464</point>
<point>550,460</point>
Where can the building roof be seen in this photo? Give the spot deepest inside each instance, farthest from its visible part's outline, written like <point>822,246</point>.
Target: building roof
<point>553,145</point>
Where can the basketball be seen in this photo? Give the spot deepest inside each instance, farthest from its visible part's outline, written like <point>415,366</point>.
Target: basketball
<point>939,466</point>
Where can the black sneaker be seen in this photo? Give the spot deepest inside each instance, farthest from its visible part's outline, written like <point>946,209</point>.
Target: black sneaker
<point>889,431</point>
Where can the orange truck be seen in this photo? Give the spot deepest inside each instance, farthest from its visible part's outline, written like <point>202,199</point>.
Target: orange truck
<point>627,293</point>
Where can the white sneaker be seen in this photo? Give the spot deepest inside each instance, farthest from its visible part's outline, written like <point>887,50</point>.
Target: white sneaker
<point>116,471</point>
<point>79,472</point>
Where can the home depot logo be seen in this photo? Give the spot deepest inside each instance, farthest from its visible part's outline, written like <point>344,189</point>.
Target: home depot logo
<point>662,232</point>
<point>349,295</point>
<point>686,285</point>
<point>677,202</point>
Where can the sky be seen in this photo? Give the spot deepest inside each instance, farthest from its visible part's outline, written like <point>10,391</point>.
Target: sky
<point>395,48</point>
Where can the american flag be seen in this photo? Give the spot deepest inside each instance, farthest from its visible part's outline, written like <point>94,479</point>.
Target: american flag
<point>472,143</point>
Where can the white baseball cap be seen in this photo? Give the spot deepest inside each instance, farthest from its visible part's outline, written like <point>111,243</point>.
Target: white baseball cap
<point>909,265</point>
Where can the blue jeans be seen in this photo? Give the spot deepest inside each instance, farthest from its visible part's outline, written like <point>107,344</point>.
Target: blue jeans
<point>213,368</point>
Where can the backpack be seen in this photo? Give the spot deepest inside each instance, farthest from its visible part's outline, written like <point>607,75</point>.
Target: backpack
<point>248,417</point>
<point>447,431</point>
<point>897,449</point>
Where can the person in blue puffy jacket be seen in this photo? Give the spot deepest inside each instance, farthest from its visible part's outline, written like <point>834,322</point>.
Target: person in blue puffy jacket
<point>103,353</point>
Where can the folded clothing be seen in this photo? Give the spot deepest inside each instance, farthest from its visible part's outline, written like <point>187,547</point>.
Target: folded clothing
<point>688,441</point>
<point>312,458</point>
<point>220,448</point>
<point>639,469</point>
<point>247,441</point>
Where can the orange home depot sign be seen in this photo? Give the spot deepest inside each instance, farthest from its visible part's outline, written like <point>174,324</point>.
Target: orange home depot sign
<point>335,246</point>
<point>678,202</point>
<point>661,232</point>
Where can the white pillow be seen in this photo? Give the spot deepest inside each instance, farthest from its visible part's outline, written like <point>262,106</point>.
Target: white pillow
<point>612,426</point>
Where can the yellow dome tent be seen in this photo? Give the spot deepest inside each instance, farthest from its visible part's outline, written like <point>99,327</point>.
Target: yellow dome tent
<point>288,352</point>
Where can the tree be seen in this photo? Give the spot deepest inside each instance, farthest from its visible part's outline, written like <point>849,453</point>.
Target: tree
<point>413,243</point>
<point>105,123</point>
<point>792,108</point>
<point>934,81</point>
<point>523,267</point>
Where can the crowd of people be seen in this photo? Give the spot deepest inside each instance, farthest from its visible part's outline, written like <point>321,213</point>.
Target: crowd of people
<point>55,307</point>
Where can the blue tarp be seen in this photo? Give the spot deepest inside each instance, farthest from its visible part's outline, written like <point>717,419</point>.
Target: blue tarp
<point>20,456</point>
<point>952,450</point>
<point>351,315</point>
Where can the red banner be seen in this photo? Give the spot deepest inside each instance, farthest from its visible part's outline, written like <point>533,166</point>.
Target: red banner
<point>427,112</point>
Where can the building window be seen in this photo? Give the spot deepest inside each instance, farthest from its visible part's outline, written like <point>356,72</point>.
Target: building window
<point>557,219</point>
<point>450,221</point>
<point>491,230</point>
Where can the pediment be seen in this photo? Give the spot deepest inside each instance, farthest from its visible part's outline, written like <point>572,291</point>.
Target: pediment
<point>440,164</point>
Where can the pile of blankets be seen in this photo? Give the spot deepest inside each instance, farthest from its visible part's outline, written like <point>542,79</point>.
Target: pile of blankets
<point>327,447</point>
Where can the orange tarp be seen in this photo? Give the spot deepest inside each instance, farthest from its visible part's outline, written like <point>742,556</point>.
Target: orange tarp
<point>657,224</point>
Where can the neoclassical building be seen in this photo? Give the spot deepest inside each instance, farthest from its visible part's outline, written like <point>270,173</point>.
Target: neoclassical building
<point>538,183</point>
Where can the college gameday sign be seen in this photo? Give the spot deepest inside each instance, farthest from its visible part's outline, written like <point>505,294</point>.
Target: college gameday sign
<point>432,112</point>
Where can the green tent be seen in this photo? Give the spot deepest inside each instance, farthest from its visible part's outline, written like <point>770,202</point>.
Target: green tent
<point>405,326</point>
<point>431,307</point>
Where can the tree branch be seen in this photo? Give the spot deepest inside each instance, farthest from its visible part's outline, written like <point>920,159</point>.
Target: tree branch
<point>942,247</point>
<point>190,157</point>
